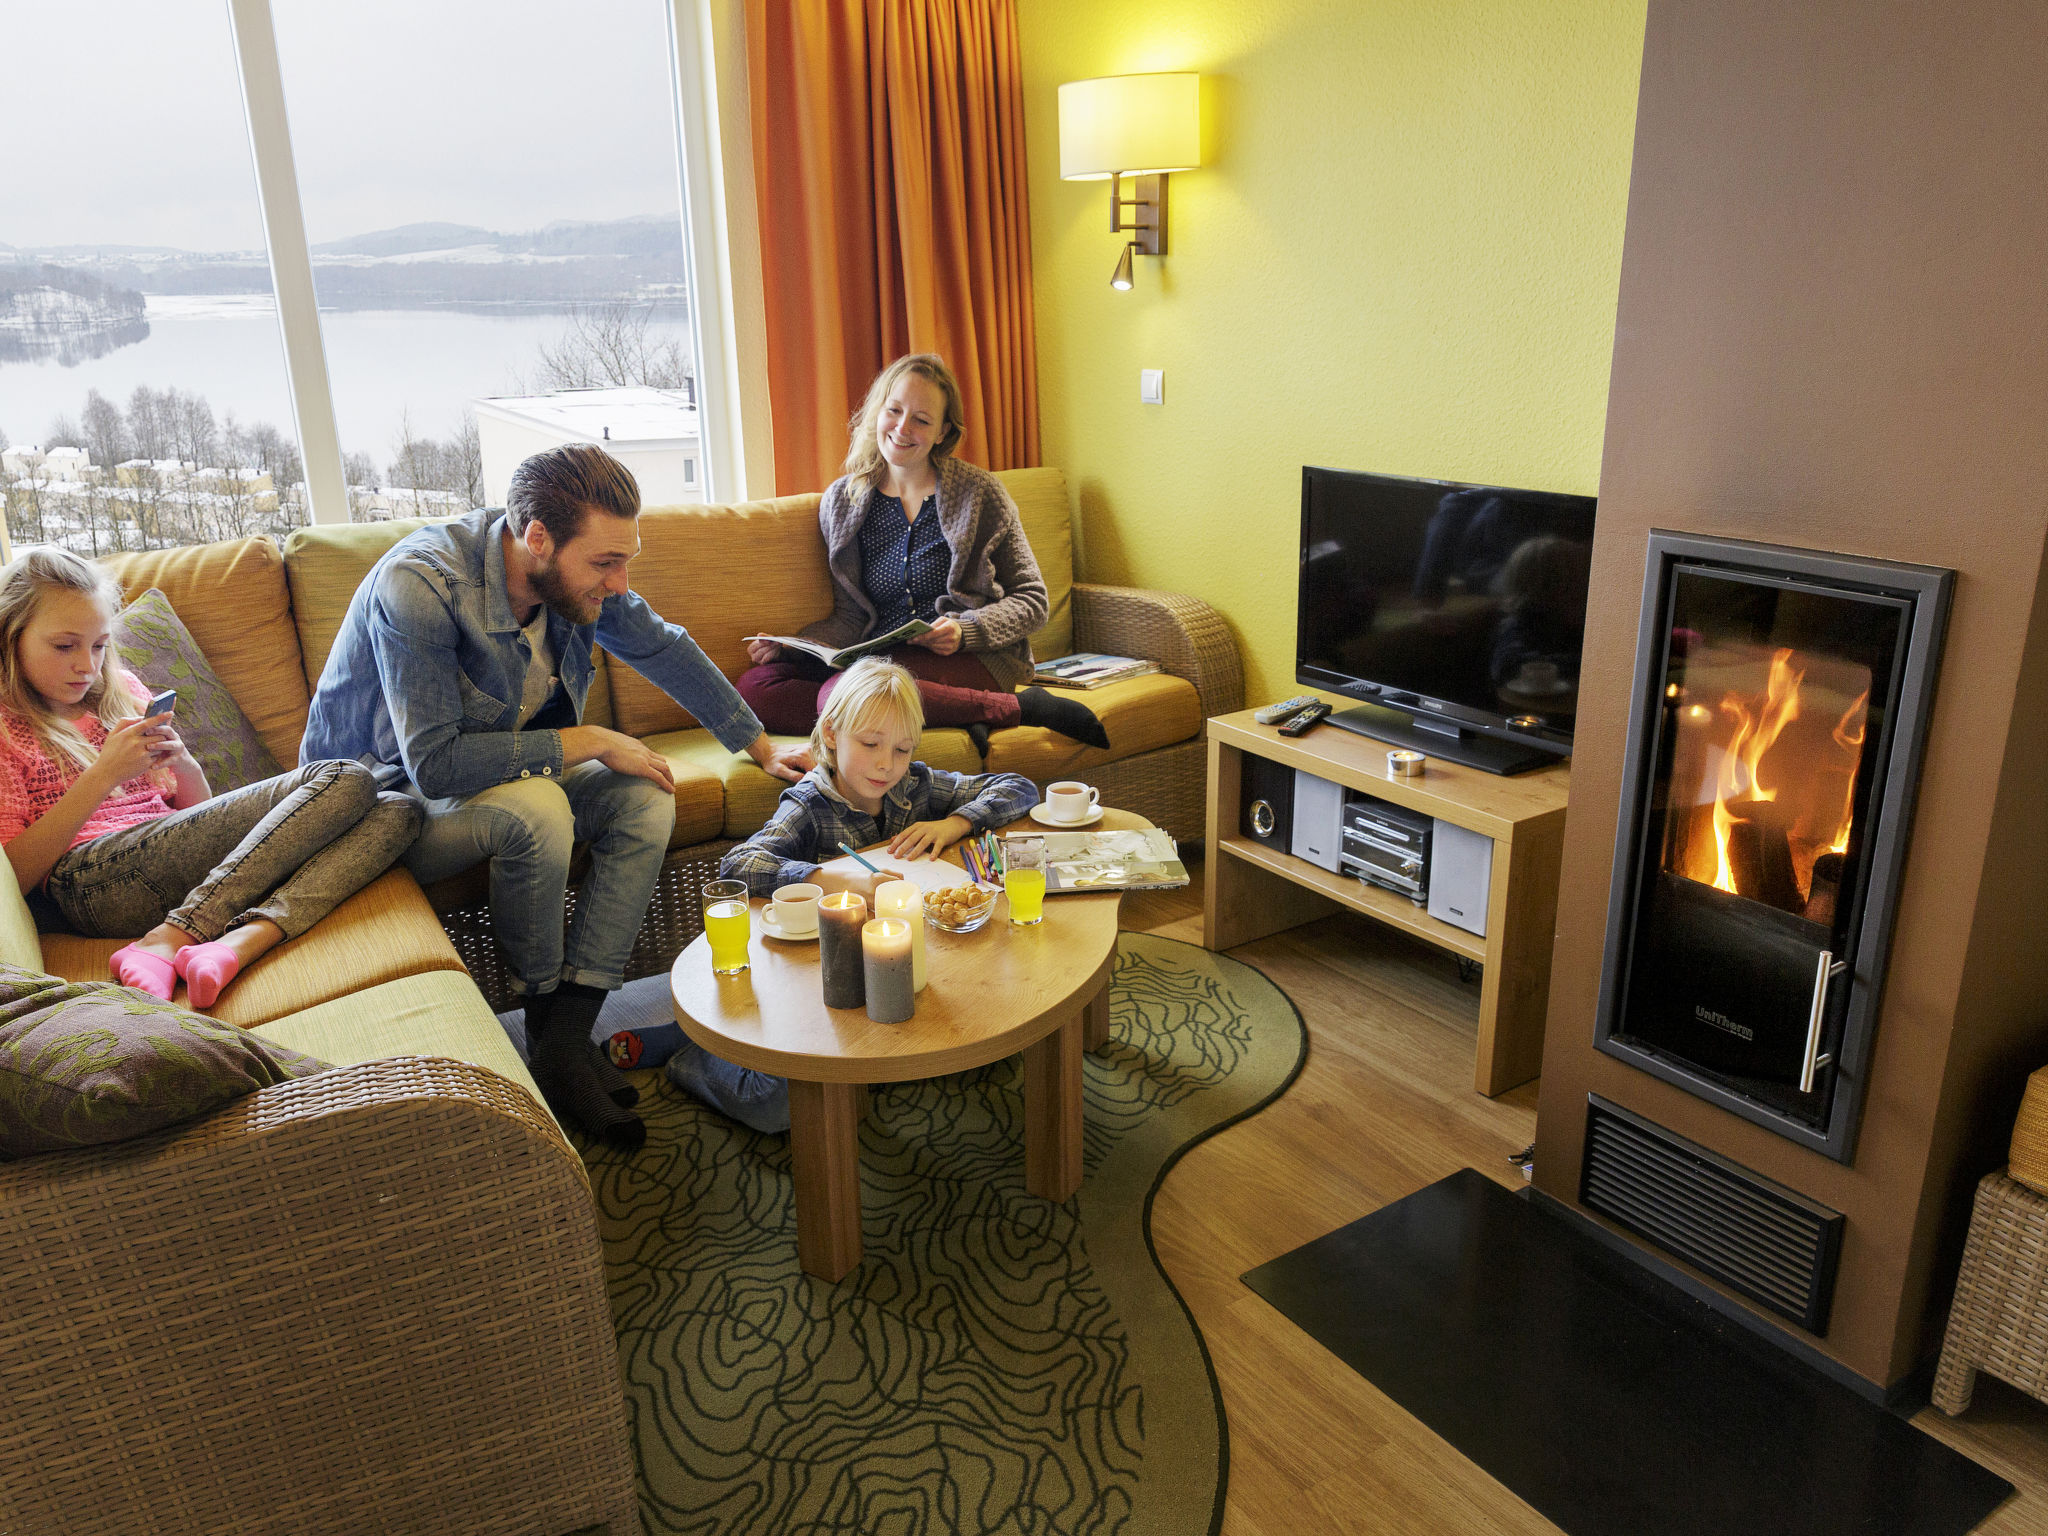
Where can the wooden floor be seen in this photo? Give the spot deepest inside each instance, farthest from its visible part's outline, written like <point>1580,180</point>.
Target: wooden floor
<point>1383,1107</point>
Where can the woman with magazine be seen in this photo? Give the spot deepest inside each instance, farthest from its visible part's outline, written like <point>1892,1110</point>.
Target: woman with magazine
<point>916,537</point>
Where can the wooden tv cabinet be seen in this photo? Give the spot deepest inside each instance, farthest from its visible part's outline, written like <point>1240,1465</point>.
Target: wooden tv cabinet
<point>1252,890</point>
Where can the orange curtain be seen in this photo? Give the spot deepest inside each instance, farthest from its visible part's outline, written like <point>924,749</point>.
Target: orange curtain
<point>889,157</point>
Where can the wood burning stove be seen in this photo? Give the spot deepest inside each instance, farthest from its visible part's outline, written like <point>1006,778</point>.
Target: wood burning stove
<point>1775,735</point>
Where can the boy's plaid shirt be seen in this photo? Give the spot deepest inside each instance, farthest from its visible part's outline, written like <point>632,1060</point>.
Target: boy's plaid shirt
<point>811,820</point>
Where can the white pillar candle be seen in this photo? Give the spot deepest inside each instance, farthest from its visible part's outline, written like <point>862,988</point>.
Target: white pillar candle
<point>904,900</point>
<point>885,951</point>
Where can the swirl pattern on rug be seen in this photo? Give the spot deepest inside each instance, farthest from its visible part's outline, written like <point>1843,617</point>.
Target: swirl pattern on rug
<point>973,1373</point>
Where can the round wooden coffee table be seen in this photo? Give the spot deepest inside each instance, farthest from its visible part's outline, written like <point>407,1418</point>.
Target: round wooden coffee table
<point>1041,990</point>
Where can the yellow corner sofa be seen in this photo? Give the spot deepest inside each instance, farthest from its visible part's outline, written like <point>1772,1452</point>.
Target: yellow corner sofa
<point>374,1298</point>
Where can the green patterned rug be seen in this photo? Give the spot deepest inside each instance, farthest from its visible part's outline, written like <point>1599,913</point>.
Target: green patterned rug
<point>996,1363</point>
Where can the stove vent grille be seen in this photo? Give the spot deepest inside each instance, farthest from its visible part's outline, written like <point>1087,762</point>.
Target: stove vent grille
<point>1755,1237</point>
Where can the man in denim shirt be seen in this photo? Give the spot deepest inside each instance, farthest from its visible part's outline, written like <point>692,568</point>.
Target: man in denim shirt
<point>460,673</point>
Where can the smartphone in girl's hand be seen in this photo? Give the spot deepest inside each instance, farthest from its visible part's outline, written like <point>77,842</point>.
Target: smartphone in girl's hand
<point>163,703</point>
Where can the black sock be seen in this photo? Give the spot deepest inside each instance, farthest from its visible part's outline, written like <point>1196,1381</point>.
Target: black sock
<point>978,734</point>
<point>1070,717</point>
<point>578,1005</point>
<point>561,1060</point>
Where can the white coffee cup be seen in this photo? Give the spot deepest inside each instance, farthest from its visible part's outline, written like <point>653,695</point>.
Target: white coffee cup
<point>1070,800</point>
<point>796,908</point>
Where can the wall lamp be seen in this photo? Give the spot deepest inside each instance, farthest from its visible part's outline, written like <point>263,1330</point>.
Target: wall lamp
<point>1139,127</point>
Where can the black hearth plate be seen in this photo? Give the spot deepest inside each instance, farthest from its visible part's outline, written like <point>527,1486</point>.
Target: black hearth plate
<point>1601,1394</point>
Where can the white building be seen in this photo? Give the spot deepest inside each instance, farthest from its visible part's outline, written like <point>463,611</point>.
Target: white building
<point>653,432</point>
<point>22,459</point>
<point>69,464</point>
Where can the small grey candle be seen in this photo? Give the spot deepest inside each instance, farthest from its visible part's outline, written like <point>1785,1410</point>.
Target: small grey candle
<point>840,917</point>
<point>891,980</point>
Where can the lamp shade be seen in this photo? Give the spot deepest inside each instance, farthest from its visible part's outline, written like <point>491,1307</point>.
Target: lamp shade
<point>1133,125</point>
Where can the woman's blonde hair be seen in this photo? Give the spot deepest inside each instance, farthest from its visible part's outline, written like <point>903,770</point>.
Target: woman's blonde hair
<point>863,464</point>
<point>23,586</point>
<point>873,689</point>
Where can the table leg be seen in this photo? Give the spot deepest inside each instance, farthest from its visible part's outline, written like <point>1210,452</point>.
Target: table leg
<point>1052,1112</point>
<point>1095,1021</point>
<point>824,1145</point>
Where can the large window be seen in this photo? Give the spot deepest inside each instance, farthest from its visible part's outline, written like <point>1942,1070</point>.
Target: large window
<point>492,216</point>
<point>142,385</point>
<point>491,195</point>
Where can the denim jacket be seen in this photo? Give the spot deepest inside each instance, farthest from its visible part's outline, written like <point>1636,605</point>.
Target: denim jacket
<point>812,819</point>
<point>424,681</point>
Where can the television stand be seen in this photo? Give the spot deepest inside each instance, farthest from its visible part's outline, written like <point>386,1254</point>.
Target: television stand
<point>1252,890</point>
<point>1473,749</point>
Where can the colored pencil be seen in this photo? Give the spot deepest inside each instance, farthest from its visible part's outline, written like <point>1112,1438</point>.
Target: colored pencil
<point>847,848</point>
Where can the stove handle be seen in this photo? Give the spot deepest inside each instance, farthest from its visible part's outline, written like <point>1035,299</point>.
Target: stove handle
<point>1827,970</point>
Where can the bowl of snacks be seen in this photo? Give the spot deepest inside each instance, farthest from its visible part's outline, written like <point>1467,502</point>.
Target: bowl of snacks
<point>961,908</point>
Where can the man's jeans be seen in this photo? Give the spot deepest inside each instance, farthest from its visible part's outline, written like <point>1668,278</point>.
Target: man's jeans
<point>527,829</point>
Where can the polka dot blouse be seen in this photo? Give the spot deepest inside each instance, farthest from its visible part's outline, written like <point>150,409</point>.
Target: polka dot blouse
<point>904,564</point>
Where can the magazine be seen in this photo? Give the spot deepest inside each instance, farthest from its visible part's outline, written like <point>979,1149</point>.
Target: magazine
<point>847,655</point>
<point>1089,669</point>
<point>1077,862</point>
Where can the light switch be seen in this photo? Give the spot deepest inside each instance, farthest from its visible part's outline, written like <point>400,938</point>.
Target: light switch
<point>1152,386</point>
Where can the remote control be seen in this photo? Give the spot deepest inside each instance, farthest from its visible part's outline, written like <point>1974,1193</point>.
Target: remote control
<point>1306,721</point>
<point>1273,712</point>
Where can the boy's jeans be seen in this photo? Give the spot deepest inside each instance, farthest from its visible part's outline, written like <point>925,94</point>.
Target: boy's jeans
<point>527,829</point>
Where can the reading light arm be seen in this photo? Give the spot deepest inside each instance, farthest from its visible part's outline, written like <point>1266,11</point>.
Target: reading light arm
<point>1148,212</point>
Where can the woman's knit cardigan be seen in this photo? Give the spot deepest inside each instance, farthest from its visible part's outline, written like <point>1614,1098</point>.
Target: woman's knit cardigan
<point>993,588</point>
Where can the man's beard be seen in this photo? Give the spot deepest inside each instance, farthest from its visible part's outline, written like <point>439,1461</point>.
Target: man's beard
<point>573,606</point>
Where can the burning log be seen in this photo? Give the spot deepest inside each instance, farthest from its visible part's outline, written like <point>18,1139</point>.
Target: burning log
<point>1826,888</point>
<point>1760,854</point>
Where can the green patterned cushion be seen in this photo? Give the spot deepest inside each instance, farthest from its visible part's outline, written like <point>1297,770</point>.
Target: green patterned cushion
<point>156,647</point>
<point>86,1062</point>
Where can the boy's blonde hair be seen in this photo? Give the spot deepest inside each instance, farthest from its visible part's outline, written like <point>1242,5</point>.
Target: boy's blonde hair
<point>872,689</point>
<point>23,586</point>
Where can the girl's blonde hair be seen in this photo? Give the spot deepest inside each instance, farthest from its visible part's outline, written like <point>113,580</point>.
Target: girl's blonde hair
<point>864,463</point>
<point>23,586</point>
<point>873,689</point>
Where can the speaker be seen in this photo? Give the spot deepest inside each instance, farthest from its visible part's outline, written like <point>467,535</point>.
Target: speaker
<point>1318,822</point>
<point>1266,808</point>
<point>1460,876</point>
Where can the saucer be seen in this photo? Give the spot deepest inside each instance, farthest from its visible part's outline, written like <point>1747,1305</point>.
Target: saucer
<point>774,929</point>
<point>1039,815</point>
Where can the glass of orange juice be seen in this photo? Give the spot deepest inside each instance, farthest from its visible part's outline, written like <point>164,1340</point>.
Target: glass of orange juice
<point>1024,879</point>
<point>727,925</point>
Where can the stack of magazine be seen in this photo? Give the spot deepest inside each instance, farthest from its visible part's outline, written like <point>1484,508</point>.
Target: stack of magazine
<point>1089,669</point>
<point>1078,862</point>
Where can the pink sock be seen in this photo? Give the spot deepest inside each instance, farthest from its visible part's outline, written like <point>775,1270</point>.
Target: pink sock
<point>207,969</point>
<point>145,972</point>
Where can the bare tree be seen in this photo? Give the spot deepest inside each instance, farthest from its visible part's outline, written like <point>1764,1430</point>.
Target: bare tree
<point>468,461</point>
<point>197,438</point>
<point>609,345</point>
<point>150,426</point>
<point>63,433</point>
<point>106,432</point>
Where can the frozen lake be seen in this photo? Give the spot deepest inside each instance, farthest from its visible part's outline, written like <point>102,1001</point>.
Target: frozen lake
<point>381,363</point>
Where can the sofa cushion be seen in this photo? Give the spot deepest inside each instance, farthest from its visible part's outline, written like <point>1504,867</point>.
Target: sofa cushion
<point>323,566</point>
<point>83,1063</point>
<point>723,573</point>
<point>20,945</point>
<point>233,600</point>
<point>1048,518</point>
<point>155,646</point>
<point>1139,714</point>
<point>383,932</point>
<point>750,794</point>
<point>2028,1159</point>
<point>441,1014</point>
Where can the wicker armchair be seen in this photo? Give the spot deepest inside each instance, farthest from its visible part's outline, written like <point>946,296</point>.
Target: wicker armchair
<point>1999,1321</point>
<point>1188,639</point>
<point>370,1300</point>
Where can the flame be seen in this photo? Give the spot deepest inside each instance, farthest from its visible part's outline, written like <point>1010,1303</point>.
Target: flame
<point>1853,745</point>
<point>1754,736</point>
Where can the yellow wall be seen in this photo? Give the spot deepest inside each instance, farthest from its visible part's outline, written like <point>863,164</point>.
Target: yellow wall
<point>1401,254</point>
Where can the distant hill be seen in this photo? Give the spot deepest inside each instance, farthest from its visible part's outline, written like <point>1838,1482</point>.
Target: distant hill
<point>409,239</point>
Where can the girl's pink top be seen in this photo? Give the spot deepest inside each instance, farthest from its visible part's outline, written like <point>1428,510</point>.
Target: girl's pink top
<point>30,784</point>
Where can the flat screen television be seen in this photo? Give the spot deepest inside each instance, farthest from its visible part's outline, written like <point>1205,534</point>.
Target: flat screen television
<point>1456,612</point>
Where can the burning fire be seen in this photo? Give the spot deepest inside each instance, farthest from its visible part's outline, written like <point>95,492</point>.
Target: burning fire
<point>1763,783</point>
<point>1754,736</point>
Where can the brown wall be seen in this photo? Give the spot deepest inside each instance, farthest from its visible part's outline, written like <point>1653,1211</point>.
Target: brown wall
<point>1831,334</point>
